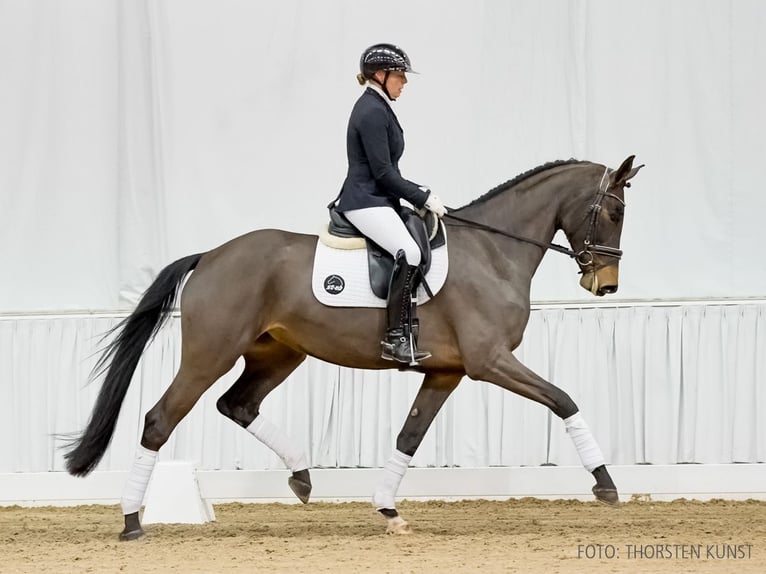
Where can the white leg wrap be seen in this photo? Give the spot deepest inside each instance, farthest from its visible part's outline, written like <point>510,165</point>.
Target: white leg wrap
<point>590,453</point>
<point>138,480</point>
<point>266,432</point>
<point>393,472</point>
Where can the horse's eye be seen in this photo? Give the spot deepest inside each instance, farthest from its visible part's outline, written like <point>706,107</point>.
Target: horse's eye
<point>616,214</point>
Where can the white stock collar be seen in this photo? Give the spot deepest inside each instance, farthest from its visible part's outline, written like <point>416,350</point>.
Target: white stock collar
<point>379,90</point>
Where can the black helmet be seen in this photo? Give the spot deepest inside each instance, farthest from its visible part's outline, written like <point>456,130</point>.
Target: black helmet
<point>386,57</point>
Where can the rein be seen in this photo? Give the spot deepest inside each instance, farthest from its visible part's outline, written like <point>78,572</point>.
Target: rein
<point>586,255</point>
<point>483,227</point>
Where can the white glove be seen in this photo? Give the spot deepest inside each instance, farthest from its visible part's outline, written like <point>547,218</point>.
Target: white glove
<point>433,203</point>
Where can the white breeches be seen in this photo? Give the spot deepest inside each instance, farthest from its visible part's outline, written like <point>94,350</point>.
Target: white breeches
<point>384,226</point>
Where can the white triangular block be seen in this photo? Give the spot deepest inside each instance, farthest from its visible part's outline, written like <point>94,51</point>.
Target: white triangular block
<point>174,497</point>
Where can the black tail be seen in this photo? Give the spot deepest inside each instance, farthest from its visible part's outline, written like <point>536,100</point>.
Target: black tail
<point>122,356</point>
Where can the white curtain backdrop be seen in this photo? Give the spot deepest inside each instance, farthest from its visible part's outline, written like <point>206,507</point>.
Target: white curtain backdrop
<point>136,132</point>
<point>659,385</point>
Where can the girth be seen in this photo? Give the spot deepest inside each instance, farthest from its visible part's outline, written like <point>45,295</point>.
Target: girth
<point>380,262</point>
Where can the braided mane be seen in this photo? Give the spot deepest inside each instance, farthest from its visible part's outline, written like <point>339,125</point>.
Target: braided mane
<point>519,178</point>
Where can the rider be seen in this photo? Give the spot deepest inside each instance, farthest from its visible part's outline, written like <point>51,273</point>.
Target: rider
<point>373,187</point>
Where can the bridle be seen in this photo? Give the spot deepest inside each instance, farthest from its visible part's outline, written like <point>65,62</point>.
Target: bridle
<point>589,249</point>
<point>584,257</point>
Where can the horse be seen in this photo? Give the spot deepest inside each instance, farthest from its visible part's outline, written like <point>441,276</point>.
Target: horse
<point>251,297</point>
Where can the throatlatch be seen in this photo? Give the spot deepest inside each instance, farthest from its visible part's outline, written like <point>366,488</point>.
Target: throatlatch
<point>401,341</point>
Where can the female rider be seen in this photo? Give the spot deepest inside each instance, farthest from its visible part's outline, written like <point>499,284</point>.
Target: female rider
<point>371,194</point>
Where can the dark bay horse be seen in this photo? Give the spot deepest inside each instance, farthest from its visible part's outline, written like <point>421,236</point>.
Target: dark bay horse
<point>252,298</point>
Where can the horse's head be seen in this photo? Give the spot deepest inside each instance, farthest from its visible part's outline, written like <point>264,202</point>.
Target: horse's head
<point>596,236</point>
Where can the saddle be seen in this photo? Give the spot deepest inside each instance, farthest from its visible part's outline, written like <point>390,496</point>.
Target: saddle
<point>427,233</point>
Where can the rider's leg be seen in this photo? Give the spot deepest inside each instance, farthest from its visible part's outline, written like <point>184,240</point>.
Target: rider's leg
<point>384,226</point>
<point>400,343</point>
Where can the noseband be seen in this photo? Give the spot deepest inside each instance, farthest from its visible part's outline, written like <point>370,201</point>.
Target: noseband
<point>585,257</point>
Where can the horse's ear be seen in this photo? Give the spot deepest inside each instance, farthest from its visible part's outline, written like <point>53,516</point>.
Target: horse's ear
<point>625,172</point>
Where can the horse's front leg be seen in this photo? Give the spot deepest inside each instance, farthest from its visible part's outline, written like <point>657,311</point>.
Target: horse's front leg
<point>509,373</point>
<point>431,396</point>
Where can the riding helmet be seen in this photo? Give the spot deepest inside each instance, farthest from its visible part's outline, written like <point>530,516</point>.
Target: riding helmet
<point>386,57</point>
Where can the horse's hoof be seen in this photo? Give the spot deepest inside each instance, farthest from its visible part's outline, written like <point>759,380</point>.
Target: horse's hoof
<point>397,525</point>
<point>131,534</point>
<point>300,484</point>
<point>606,495</point>
<point>132,529</point>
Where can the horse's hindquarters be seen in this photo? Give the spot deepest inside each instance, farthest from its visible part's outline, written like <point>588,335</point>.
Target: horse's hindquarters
<point>601,281</point>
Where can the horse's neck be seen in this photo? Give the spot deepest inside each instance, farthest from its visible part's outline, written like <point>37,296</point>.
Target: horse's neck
<point>529,211</point>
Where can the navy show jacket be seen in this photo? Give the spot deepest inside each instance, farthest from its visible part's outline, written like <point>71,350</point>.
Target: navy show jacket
<point>374,145</point>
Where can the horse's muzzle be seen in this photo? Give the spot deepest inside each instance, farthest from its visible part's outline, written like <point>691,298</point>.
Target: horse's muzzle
<point>602,281</point>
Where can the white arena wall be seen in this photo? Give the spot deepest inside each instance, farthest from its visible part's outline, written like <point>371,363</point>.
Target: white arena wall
<point>661,386</point>
<point>135,133</point>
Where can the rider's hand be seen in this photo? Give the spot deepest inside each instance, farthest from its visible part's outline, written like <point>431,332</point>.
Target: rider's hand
<point>434,204</point>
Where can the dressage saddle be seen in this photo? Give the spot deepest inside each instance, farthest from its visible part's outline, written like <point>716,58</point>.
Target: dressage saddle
<point>427,233</point>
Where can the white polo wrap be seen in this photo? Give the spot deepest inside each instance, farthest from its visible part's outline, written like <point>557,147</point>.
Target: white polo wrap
<point>393,472</point>
<point>590,453</point>
<point>138,480</point>
<point>270,435</point>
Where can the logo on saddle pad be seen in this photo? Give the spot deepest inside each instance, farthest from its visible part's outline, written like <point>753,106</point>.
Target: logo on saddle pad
<point>334,284</point>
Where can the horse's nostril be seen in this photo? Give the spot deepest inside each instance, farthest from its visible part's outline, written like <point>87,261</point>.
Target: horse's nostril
<point>607,289</point>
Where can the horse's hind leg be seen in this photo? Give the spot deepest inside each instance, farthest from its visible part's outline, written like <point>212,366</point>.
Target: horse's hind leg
<point>267,364</point>
<point>430,398</point>
<point>509,373</point>
<point>195,375</point>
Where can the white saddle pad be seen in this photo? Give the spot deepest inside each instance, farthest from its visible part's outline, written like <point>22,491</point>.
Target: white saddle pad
<point>341,277</point>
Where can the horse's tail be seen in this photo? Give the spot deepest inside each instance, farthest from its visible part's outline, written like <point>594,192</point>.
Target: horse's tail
<point>122,356</point>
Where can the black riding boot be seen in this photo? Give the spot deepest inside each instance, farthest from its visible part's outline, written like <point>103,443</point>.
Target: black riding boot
<point>401,342</point>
